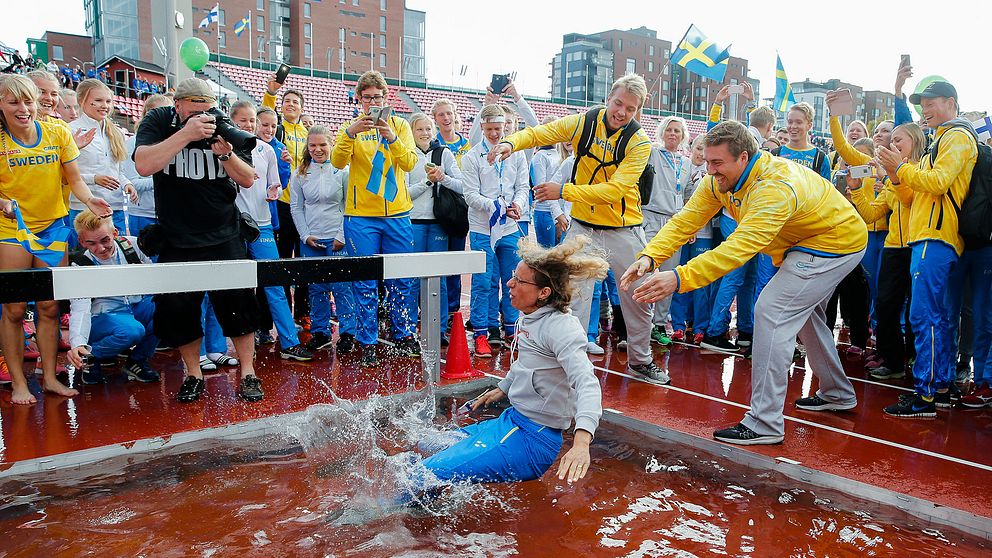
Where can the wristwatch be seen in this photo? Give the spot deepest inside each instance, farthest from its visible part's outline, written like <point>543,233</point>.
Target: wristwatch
<point>226,156</point>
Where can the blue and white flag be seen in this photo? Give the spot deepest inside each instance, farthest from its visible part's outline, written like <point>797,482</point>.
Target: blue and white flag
<point>212,16</point>
<point>983,127</point>
<point>497,222</point>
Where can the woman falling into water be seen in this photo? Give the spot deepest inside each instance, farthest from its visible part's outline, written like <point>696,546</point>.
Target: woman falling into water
<point>550,382</point>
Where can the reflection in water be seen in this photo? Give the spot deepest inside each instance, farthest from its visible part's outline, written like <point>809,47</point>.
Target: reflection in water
<point>326,487</point>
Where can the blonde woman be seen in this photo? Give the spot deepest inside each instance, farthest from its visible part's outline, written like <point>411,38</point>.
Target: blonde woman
<point>101,162</point>
<point>38,158</point>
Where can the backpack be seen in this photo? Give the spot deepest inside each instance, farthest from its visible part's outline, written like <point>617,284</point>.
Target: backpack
<point>78,256</point>
<point>450,208</point>
<point>975,212</point>
<point>646,180</point>
<point>817,159</point>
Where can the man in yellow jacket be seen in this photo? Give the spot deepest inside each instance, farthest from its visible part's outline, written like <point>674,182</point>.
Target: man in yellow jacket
<point>808,228</point>
<point>940,183</point>
<point>379,154</point>
<point>606,204</point>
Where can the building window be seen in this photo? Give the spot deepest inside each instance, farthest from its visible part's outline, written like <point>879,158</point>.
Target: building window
<point>221,39</point>
<point>664,99</point>
<point>341,35</point>
<point>650,66</point>
<point>57,52</point>
<point>306,9</point>
<point>666,69</point>
<point>619,44</point>
<point>260,24</point>
<point>221,18</point>
<point>666,54</point>
<point>308,50</point>
<point>650,50</point>
<point>354,2</point>
<point>382,5</point>
<point>260,5</point>
<point>631,65</point>
<point>382,23</point>
<point>665,85</point>
<point>307,30</point>
<point>382,41</point>
<point>382,60</point>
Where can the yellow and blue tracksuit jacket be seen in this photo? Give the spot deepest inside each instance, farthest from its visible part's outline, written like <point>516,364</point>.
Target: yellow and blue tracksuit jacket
<point>360,152</point>
<point>610,198</point>
<point>295,139</point>
<point>933,215</point>
<point>875,207</point>
<point>854,158</point>
<point>778,206</point>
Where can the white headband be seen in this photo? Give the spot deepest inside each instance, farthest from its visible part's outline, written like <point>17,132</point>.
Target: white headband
<point>495,120</point>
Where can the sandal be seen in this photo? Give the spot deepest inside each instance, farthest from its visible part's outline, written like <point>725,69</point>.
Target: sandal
<point>206,364</point>
<point>226,360</point>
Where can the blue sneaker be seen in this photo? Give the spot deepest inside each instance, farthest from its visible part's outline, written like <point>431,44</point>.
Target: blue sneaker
<point>912,406</point>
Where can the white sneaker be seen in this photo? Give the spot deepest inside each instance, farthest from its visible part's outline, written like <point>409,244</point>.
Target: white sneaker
<point>594,349</point>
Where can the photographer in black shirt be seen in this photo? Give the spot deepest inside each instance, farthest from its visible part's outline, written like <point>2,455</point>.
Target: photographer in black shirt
<point>196,175</point>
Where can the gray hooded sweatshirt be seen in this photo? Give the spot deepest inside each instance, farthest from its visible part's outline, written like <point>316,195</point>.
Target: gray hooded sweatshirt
<point>551,382</point>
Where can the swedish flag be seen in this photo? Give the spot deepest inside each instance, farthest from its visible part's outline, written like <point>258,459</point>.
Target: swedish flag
<point>700,55</point>
<point>783,91</point>
<point>240,26</point>
<point>49,245</point>
<point>382,180</point>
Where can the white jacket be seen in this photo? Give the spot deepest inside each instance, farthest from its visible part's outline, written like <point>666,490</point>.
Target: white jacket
<point>316,201</point>
<point>143,184</point>
<point>422,190</point>
<point>543,166</point>
<point>484,184</point>
<point>95,159</point>
<point>253,200</point>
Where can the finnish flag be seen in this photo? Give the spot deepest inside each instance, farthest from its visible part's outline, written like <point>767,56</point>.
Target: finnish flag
<point>212,16</point>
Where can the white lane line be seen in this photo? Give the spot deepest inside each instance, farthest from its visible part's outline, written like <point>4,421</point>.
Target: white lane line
<point>804,422</point>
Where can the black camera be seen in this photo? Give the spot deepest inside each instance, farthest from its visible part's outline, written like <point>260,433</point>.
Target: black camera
<point>88,360</point>
<point>238,138</point>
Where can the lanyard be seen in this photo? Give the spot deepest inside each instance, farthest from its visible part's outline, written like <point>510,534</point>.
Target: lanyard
<point>674,162</point>
<point>498,165</point>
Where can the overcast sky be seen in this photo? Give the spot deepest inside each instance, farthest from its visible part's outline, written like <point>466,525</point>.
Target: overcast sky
<point>856,41</point>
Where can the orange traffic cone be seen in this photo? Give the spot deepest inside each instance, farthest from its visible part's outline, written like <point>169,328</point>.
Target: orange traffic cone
<point>457,364</point>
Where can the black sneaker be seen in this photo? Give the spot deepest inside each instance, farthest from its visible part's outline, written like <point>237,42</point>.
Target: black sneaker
<point>93,375</point>
<point>369,357</point>
<point>744,339</point>
<point>718,343</point>
<point>955,392</point>
<point>191,390</point>
<point>883,372</point>
<point>942,400</point>
<point>650,371</point>
<point>264,338</point>
<point>495,337</point>
<point>296,352</point>
<point>817,403</point>
<point>251,389</point>
<point>346,343</point>
<point>744,436</point>
<point>408,347</point>
<point>140,371</point>
<point>912,406</point>
<point>318,341</point>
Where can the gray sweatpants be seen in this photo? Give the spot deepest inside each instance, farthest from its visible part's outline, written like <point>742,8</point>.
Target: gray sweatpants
<point>653,222</point>
<point>621,247</point>
<point>794,303</point>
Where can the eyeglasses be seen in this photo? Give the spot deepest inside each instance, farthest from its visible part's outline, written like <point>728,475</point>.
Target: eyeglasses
<point>519,280</point>
<point>370,98</point>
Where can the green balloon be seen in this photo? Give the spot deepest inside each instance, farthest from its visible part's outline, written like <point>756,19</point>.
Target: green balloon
<point>923,85</point>
<point>194,53</point>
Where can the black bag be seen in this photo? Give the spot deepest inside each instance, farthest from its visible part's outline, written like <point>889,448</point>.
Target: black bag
<point>249,228</point>
<point>646,180</point>
<point>975,212</point>
<point>152,240</point>
<point>450,208</point>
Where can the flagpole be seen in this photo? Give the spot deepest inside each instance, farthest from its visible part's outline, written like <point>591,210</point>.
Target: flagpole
<point>251,42</point>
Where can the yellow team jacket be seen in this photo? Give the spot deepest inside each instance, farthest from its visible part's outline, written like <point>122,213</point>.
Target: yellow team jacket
<point>874,208</point>
<point>609,199</point>
<point>359,152</point>
<point>295,139</point>
<point>933,216</point>
<point>778,207</point>
<point>854,158</point>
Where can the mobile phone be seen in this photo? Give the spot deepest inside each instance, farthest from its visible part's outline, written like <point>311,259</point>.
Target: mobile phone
<point>499,83</point>
<point>840,181</point>
<point>904,61</point>
<point>282,72</point>
<point>843,105</point>
<point>860,171</point>
<point>738,89</point>
<point>380,113</point>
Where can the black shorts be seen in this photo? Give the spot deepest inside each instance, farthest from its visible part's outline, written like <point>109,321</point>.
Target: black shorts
<point>177,315</point>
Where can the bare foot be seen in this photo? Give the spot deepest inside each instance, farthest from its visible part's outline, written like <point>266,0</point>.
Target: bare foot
<point>22,396</point>
<point>55,387</point>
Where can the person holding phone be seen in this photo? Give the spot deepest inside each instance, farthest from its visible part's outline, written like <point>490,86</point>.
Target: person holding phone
<point>292,133</point>
<point>377,211</point>
<point>317,199</point>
